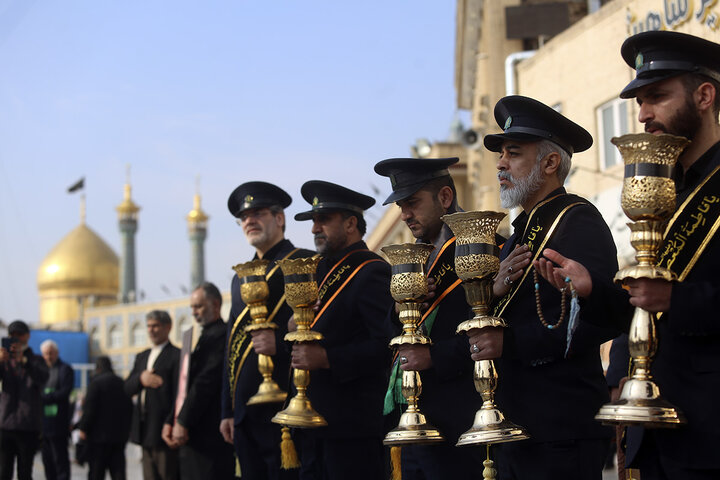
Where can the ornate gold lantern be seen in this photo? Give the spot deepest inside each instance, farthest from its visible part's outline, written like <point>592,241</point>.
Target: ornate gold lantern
<point>648,199</point>
<point>476,264</point>
<point>301,293</point>
<point>408,287</point>
<point>254,291</point>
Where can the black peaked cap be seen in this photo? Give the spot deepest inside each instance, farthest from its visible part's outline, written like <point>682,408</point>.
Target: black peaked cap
<point>527,120</point>
<point>328,197</point>
<point>408,175</point>
<point>257,195</point>
<point>660,55</point>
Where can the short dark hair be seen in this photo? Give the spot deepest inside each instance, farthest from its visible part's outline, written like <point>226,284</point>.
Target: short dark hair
<point>361,223</point>
<point>211,291</point>
<point>278,210</point>
<point>691,81</point>
<point>103,364</point>
<point>161,316</point>
<point>434,186</point>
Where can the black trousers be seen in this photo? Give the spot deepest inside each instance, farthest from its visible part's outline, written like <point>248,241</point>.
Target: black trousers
<point>102,457</point>
<point>655,467</point>
<point>341,458</point>
<point>21,445</point>
<point>257,445</point>
<point>440,462</point>
<point>215,463</point>
<point>576,459</point>
<point>55,457</point>
<point>160,463</point>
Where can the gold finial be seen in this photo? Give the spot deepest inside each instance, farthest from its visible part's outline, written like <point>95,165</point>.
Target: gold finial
<point>83,209</point>
<point>127,208</point>
<point>197,217</point>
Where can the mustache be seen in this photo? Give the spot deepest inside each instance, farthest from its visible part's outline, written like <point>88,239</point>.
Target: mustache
<point>320,236</point>
<point>503,175</point>
<point>655,126</point>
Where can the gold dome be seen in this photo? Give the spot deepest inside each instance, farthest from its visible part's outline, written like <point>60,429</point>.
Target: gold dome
<point>81,263</point>
<point>196,215</point>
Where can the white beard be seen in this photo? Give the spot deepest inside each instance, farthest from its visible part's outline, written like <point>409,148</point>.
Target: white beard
<point>522,189</point>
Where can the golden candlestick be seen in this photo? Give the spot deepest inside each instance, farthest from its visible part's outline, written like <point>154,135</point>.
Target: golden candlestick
<point>476,264</point>
<point>301,293</point>
<point>648,198</point>
<point>254,291</point>
<point>408,287</point>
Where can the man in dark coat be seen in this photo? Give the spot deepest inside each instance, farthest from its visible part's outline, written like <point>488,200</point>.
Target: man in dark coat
<point>23,376</point>
<point>204,453</point>
<point>348,366</point>
<point>258,207</point>
<point>56,413</point>
<point>105,423</point>
<point>425,191</point>
<point>677,87</point>
<point>154,380</point>
<point>550,377</point>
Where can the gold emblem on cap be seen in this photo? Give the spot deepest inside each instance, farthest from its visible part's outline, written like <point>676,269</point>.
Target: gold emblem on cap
<point>315,201</point>
<point>249,198</point>
<point>639,61</point>
<point>508,122</point>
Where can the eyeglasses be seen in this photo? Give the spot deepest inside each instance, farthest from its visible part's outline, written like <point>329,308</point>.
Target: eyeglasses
<point>251,213</point>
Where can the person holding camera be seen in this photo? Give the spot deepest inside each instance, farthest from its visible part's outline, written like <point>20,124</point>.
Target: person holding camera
<point>23,375</point>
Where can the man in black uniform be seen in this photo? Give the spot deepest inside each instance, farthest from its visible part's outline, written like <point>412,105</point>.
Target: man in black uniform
<point>424,191</point>
<point>258,206</point>
<point>154,380</point>
<point>677,88</point>
<point>349,365</point>
<point>550,377</point>
<point>203,451</point>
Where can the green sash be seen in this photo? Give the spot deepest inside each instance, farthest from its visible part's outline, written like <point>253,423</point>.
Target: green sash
<point>541,224</point>
<point>692,227</point>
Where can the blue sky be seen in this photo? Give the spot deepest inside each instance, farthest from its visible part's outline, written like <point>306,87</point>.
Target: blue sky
<point>231,91</point>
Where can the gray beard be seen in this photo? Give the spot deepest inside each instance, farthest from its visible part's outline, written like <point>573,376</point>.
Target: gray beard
<point>523,188</point>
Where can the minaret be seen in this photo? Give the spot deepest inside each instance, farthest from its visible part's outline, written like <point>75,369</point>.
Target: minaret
<point>128,220</point>
<point>197,231</point>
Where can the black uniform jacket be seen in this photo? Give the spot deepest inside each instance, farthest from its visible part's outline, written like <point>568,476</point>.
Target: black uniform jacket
<point>350,393</point>
<point>106,411</point>
<point>249,377</point>
<point>147,422</point>
<point>200,412</point>
<point>686,367</point>
<point>553,396</point>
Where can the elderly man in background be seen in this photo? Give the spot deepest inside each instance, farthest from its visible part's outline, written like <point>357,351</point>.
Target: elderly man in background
<point>56,413</point>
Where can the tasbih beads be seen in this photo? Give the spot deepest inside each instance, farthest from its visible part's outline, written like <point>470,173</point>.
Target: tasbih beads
<point>563,301</point>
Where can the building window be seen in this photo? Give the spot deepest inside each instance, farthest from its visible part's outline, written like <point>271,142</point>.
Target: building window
<point>115,337</point>
<point>137,335</point>
<point>612,122</point>
<point>95,340</point>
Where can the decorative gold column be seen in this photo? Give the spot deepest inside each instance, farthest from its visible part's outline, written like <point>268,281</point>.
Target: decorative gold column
<point>476,264</point>
<point>301,293</point>
<point>648,199</point>
<point>254,291</point>
<point>408,287</point>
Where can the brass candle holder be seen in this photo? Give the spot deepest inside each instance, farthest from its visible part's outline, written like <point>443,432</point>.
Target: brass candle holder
<point>476,264</point>
<point>254,291</point>
<point>648,199</point>
<point>408,287</point>
<point>301,293</point>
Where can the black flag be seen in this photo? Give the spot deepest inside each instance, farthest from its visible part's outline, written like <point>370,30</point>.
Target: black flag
<point>79,185</point>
